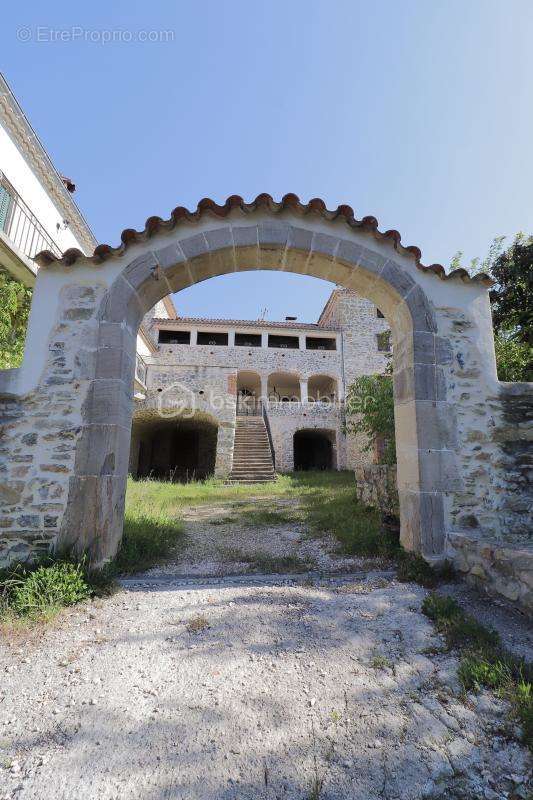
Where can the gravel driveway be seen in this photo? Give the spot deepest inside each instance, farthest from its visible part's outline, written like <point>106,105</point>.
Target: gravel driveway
<point>248,688</point>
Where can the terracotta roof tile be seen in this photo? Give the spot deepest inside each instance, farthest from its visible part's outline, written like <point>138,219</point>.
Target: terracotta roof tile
<point>291,202</point>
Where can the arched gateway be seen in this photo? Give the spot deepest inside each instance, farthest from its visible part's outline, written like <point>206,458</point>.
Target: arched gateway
<point>67,411</point>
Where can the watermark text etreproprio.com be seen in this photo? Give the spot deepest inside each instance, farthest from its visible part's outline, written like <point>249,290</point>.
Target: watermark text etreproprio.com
<point>75,33</point>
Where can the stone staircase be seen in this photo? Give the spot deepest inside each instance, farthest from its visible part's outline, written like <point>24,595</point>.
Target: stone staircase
<point>252,459</point>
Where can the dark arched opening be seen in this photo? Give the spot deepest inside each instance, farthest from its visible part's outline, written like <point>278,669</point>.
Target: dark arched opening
<point>177,450</point>
<point>313,450</point>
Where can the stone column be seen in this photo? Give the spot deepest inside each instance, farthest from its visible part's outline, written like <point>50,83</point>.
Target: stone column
<point>264,339</point>
<point>194,337</point>
<point>264,387</point>
<point>304,391</point>
<point>301,339</point>
<point>224,456</point>
<point>231,338</point>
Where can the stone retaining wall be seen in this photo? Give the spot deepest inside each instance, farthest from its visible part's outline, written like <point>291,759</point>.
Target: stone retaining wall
<point>502,570</point>
<point>376,486</point>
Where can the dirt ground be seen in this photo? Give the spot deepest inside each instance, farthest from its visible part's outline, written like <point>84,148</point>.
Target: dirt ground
<point>219,540</point>
<point>305,687</point>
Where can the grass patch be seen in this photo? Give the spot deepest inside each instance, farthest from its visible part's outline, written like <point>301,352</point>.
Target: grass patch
<point>327,503</point>
<point>484,661</point>
<point>380,662</point>
<point>359,530</point>
<point>40,591</point>
<point>412,568</point>
<point>149,537</point>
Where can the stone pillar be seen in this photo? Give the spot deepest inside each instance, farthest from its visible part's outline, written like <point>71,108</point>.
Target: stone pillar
<point>301,339</point>
<point>231,338</point>
<point>194,337</point>
<point>264,387</point>
<point>264,339</point>
<point>304,391</point>
<point>224,456</point>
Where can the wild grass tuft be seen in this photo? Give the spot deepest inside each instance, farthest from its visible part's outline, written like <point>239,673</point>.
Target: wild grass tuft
<point>413,568</point>
<point>149,537</point>
<point>41,591</point>
<point>485,662</point>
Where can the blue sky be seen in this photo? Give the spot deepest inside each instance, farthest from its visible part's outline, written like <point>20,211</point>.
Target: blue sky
<point>418,112</point>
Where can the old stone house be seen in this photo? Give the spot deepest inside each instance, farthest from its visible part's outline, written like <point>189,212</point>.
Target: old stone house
<point>276,388</point>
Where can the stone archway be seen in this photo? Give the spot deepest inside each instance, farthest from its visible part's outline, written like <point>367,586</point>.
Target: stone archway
<point>81,345</point>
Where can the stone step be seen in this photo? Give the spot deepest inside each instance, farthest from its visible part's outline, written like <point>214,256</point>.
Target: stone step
<point>251,482</point>
<point>263,467</point>
<point>252,459</point>
<point>263,470</point>
<point>252,476</point>
<point>242,465</point>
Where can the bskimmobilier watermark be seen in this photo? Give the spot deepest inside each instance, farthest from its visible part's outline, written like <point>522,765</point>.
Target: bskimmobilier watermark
<point>179,400</point>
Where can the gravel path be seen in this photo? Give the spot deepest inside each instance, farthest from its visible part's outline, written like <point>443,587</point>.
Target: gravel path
<point>211,690</point>
<point>220,540</point>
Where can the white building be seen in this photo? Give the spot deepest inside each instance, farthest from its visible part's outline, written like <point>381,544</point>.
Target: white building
<point>37,209</point>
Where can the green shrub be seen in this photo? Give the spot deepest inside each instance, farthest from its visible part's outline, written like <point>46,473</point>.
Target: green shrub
<point>412,568</point>
<point>475,672</point>
<point>370,411</point>
<point>440,607</point>
<point>484,662</point>
<point>47,588</point>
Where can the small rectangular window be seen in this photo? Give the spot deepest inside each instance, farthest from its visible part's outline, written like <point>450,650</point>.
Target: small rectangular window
<point>248,339</point>
<point>174,337</point>
<point>320,343</point>
<point>212,338</point>
<point>384,342</point>
<point>284,342</point>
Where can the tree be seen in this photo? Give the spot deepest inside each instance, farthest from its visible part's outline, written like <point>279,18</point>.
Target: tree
<point>370,411</point>
<point>513,358</point>
<point>15,302</point>
<point>512,296</point>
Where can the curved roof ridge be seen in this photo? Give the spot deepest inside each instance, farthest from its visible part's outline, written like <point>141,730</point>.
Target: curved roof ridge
<point>289,202</point>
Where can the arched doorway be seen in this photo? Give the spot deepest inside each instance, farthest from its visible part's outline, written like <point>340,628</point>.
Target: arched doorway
<point>176,450</point>
<point>283,387</point>
<point>313,449</point>
<point>322,389</point>
<point>248,391</point>
<point>81,345</point>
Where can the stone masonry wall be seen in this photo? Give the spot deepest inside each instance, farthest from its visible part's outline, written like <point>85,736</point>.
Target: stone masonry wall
<point>285,421</point>
<point>376,487</point>
<point>494,492</point>
<point>39,434</point>
<point>360,324</point>
<point>497,568</point>
<point>256,359</point>
<point>208,392</point>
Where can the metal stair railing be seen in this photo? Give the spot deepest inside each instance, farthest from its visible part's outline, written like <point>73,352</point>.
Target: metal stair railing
<point>264,414</point>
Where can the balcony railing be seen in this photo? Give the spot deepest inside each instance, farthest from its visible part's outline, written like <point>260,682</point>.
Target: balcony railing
<point>22,227</point>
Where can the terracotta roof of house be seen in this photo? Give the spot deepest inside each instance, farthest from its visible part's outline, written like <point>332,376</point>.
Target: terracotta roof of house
<point>244,323</point>
<point>289,202</point>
